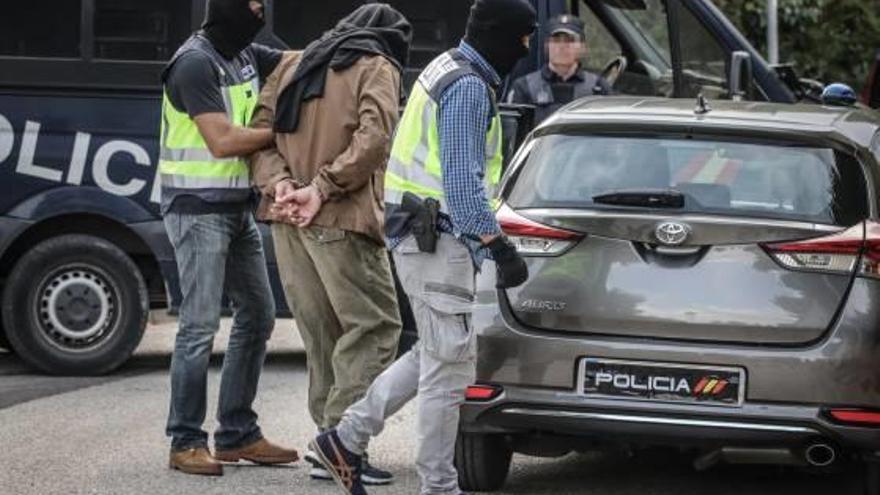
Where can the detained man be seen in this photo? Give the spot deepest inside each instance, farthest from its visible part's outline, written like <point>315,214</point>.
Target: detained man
<point>334,108</point>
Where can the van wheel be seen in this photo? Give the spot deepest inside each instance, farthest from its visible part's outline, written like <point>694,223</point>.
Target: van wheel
<point>75,305</point>
<point>482,461</point>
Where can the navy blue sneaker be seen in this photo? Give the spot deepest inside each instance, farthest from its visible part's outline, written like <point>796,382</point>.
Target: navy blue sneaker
<point>370,475</point>
<point>343,465</point>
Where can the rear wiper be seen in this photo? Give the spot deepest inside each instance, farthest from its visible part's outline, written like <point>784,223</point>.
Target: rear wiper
<point>651,198</point>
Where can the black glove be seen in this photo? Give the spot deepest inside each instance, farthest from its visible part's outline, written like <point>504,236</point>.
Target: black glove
<point>511,267</point>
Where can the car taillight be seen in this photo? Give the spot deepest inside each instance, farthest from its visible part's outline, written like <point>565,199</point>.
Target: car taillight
<point>837,253</point>
<point>871,255</point>
<point>532,238</point>
<point>856,416</point>
<point>482,392</point>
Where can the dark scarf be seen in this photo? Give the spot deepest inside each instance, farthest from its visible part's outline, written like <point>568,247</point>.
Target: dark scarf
<point>373,29</point>
<point>495,29</point>
<point>231,26</point>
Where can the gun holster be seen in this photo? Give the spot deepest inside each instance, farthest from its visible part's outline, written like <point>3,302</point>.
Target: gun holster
<point>423,220</point>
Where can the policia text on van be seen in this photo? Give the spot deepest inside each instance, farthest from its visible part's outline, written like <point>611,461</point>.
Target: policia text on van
<point>83,253</point>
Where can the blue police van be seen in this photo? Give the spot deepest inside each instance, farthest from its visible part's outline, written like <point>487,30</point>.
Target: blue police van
<point>83,252</point>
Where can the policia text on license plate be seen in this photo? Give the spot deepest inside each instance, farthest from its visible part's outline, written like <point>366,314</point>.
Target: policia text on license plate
<point>662,382</point>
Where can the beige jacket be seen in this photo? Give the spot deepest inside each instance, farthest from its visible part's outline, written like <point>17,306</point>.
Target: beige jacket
<point>341,146</point>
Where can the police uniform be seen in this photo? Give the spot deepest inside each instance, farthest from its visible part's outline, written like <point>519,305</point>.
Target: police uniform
<point>546,90</point>
<point>207,210</point>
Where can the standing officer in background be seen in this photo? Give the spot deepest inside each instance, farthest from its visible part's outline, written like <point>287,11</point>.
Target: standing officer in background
<point>445,163</point>
<point>563,79</point>
<point>211,89</point>
<point>334,108</point>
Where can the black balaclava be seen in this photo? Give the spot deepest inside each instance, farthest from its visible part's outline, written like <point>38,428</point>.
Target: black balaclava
<point>496,28</point>
<point>231,26</point>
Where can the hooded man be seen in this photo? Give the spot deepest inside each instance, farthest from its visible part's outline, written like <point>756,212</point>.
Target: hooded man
<point>334,108</point>
<point>211,89</point>
<point>445,164</point>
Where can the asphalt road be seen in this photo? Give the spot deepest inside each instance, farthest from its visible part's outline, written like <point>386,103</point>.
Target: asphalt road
<point>105,436</point>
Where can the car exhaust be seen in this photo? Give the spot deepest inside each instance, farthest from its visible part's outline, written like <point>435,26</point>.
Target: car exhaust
<point>820,454</point>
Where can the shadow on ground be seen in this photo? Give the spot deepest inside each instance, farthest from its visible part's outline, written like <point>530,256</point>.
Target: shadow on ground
<point>20,383</point>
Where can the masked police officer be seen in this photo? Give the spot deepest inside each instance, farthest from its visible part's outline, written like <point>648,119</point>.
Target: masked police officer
<point>211,89</point>
<point>563,79</point>
<point>445,164</point>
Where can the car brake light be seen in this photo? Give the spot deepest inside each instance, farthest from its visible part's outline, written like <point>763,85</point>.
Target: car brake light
<point>856,416</point>
<point>837,253</point>
<point>871,254</point>
<point>482,392</point>
<point>533,238</point>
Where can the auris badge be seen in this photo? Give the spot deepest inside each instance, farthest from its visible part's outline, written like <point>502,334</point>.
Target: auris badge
<point>672,233</point>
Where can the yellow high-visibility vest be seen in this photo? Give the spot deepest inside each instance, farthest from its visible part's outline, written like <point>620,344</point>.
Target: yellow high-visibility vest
<point>186,165</point>
<point>415,165</point>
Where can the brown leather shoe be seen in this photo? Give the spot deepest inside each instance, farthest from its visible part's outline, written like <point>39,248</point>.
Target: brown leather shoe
<point>195,461</point>
<point>260,452</point>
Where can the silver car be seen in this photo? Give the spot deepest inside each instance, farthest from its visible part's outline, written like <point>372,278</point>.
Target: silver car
<point>706,278</point>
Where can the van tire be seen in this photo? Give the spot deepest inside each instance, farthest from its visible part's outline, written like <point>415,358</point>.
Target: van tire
<point>482,461</point>
<point>75,305</point>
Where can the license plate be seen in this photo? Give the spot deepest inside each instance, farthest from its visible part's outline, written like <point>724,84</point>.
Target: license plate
<point>661,382</point>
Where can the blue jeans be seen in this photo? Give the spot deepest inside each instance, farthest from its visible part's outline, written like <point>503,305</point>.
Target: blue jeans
<point>217,252</point>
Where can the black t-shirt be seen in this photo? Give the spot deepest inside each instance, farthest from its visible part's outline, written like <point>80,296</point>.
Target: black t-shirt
<point>193,83</point>
<point>193,87</point>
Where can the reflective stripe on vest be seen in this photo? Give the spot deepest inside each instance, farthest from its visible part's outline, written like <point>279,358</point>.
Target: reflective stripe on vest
<point>185,162</point>
<point>415,164</point>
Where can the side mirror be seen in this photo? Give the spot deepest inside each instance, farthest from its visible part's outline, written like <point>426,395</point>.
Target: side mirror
<point>839,95</point>
<point>739,79</point>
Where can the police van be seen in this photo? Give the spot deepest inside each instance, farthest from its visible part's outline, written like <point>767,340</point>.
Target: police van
<point>83,252</point>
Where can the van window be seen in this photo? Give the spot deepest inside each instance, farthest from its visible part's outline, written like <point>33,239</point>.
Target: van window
<point>138,30</point>
<point>437,26</point>
<point>299,22</point>
<point>645,29</point>
<point>648,28</point>
<point>703,60</point>
<point>50,28</point>
<point>601,45</point>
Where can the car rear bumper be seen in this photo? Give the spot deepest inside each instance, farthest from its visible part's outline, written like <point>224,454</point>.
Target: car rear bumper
<point>542,412</point>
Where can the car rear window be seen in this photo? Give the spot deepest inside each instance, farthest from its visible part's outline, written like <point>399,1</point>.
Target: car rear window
<point>716,177</point>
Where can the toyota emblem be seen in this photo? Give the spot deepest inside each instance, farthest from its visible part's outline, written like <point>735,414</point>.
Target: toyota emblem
<point>672,233</point>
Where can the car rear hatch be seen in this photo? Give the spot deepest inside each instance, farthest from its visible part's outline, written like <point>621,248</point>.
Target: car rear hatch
<point>685,238</point>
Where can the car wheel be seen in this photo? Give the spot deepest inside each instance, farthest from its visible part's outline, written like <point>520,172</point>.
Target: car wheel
<point>872,478</point>
<point>75,305</point>
<point>483,461</point>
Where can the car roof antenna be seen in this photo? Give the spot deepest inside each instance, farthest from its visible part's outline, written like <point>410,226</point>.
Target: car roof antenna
<point>702,105</point>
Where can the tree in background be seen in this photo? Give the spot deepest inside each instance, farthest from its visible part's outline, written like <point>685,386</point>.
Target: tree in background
<point>828,40</point>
